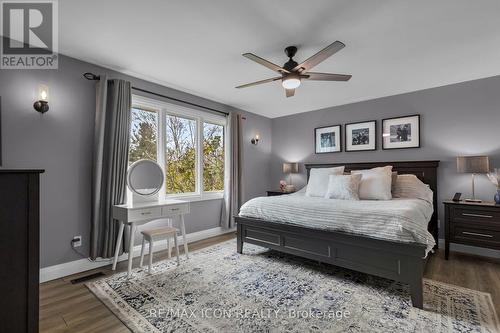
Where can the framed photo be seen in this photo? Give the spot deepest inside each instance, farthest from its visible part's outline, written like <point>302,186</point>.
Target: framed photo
<point>402,132</point>
<point>361,136</point>
<point>327,139</point>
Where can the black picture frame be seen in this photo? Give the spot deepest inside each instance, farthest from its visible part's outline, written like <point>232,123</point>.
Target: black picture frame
<point>346,148</point>
<point>337,128</point>
<point>386,136</point>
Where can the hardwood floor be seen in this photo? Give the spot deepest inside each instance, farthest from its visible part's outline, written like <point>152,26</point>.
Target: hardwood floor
<point>468,271</point>
<point>65,307</point>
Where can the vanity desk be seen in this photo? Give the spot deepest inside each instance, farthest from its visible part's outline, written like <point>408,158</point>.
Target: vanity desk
<point>145,179</point>
<point>143,212</point>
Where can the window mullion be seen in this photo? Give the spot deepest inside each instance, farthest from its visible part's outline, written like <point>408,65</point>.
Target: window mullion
<point>162,147</point>
<point>199,155</point>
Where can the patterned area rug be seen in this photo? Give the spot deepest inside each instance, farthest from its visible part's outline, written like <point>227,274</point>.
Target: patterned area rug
<point>218,290</point>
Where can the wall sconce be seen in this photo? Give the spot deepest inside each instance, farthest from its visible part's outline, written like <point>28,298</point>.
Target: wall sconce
<point>255,140</point>
<point>42,105</point>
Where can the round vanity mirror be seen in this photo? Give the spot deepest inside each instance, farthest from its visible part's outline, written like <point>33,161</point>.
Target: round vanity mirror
<point>145,177</point>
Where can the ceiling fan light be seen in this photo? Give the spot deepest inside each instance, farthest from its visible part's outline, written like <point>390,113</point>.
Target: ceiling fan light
<point>290,83</point>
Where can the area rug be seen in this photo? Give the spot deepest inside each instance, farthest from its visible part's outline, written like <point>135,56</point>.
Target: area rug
<point>218,290</point>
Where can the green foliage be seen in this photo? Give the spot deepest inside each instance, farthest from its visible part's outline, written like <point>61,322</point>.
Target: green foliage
<point>143,136</point>
<point>180,155</point>
<point>213,157</point>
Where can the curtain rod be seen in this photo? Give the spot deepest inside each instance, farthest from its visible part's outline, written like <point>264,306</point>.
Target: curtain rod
<point>93,77</point>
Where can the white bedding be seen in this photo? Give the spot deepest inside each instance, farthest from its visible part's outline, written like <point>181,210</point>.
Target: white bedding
<point>401,220</point>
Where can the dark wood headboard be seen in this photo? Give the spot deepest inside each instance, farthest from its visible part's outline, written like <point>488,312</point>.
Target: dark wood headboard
<point>426,171</point>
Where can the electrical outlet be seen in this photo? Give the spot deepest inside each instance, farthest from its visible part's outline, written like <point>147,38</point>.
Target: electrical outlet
<point>77,241</point>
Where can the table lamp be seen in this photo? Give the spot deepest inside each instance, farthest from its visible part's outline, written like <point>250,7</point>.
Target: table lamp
<point>473,165</point>
<point>290,168</point>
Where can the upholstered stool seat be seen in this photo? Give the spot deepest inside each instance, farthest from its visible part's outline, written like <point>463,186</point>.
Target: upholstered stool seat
<point>154,234</point>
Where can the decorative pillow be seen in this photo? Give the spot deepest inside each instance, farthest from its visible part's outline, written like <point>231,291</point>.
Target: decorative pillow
<point>409,186</point>
<point>393,178</point>
<point>343,187</point>
<point>318,180</point>
<point>393,181</point>
<point>375,183</point>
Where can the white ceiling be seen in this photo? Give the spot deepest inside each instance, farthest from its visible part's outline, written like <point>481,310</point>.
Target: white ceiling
<point>392,46</point>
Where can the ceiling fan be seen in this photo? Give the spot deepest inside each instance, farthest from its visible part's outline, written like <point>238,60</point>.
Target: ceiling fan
<point>292,72</point>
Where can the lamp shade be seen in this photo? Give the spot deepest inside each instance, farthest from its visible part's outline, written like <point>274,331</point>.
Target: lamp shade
<point>290,167</point>
<point>473,164</point>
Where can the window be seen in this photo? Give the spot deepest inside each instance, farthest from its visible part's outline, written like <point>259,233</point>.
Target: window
<point>143,135</point>
<point>213,157</point>
<point>187,143</point>
<point>180,155</point>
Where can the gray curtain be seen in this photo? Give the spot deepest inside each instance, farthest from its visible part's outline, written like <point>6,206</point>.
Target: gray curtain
<point>234,161</point>
<point>111,140</point>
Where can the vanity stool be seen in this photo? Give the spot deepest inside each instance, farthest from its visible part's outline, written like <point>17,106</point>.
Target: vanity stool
<point>153,234</point>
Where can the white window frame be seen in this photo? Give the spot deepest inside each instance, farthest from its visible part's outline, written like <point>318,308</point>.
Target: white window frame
<point>163,109</point>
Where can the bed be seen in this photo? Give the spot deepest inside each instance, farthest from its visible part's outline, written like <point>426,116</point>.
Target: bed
<point>381,253</point>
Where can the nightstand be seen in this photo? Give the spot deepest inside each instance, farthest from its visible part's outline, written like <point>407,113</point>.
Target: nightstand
<point>273,193</point>
<point>472,223</point>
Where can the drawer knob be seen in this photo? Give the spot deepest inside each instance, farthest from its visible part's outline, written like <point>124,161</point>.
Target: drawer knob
<point>478,215</point>
<point>145,213</point>
<point>477,234</point>
<point>175,209</point>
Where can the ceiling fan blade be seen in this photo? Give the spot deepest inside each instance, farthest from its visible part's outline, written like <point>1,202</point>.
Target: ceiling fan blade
<point>327,76</point>
<point>265,63</point>
<point>290,92</point>
<point>320,56</point>
<point>259,82</point>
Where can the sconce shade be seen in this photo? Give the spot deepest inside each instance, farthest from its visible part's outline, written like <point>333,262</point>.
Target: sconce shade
<point>290,167</point>
<point>43,93</point>
<point>473,164</point>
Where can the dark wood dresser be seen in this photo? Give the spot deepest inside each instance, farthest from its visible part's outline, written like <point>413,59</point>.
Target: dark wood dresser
<point>19,250</point>
<point>472,223</point>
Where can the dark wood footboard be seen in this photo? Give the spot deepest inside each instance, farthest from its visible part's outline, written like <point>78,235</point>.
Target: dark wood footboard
<point>396,261</point>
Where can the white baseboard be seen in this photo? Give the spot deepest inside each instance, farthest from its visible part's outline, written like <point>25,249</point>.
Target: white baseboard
<point>471,249</point>
<point>82,265</point>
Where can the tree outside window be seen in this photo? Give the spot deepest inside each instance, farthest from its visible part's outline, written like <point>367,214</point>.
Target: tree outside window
<point>180,155</point>
<point>213,157</point>
<point>143,135</point>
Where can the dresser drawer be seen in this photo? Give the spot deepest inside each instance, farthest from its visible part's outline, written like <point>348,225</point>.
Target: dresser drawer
<point>175,209</point>
<point>144,213</point>
<point>481,217</point>
<point>476,236</point>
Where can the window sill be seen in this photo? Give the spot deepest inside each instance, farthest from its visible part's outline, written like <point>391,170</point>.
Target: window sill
<point>197,197</point>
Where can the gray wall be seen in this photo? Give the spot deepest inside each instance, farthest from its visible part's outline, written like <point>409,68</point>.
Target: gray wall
<point>457,119</point>
<point>60,142</point>
<point>256,158</point>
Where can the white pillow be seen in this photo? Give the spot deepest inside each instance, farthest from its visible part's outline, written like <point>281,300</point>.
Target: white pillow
<point>343,187</point>
<point>409,186</point>
<point>375,183</point>
<point>318,180</point>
